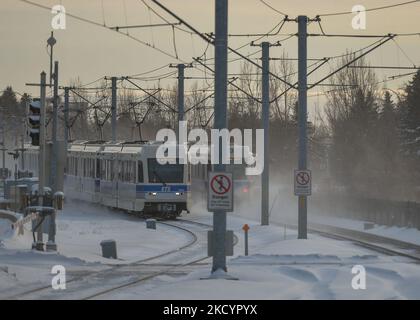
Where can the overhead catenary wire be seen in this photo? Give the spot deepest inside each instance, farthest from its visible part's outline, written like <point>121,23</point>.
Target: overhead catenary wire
<point>272,8</point>
<point>152,96</point>
<point>390,37</point>
<point>370,10</point>
<point>162,18</point>
<point>403,52</point>
<point>209,39</point>
<point>95,23</point>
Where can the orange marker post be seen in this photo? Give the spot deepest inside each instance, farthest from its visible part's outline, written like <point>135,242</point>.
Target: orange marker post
<point>246,228</point>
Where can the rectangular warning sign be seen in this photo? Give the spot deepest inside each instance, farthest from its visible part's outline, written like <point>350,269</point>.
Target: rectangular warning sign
<point>220,191</point>
<point>303,183</point>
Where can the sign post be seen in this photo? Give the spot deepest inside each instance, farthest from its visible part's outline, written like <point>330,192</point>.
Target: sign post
<point>220,191</point>
<point>246,228</point>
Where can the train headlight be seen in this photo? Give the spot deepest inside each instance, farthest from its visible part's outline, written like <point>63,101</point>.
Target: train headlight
<point>153,194</point>
<point>177,193</point>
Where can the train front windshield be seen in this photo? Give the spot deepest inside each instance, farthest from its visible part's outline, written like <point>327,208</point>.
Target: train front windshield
<point>165,173</point>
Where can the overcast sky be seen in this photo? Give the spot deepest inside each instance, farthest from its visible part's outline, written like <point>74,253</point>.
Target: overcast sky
<point>89,52</point>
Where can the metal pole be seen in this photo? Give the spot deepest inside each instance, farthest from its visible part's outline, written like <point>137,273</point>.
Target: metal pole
<point>114,109</point>
<point>302,119</point>
<point>3,149</point>
<point>3,133</point>
<point>41,161</point>
<point>66,117</point>
<point>22,152</point>
<point>246,242</point>
<point>181,69</point>
<point>53,174</point>
<point>265,124</point>
<point>51,42</point>
<point>51,246</point>
<point>51,62</point>
<point>220,122</point>
<point>25,124</point>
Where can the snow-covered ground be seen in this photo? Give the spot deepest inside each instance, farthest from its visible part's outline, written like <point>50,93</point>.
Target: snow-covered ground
<point>281,267</point>
<point>410,235</point>
<point>80,229</point>
<point>278,266</point>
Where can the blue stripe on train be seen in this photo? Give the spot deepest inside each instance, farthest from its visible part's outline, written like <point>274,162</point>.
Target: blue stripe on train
<point>162,188</point>
<point>142,189</point>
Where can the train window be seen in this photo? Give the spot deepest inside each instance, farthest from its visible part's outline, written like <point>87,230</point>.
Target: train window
<point>132,171</point>
<point>166,173</point>
<point>120,170</point>
<point>140,177</point>
<point>92,168</point>
<point>108,170</point>
<point>98,169</point>
<point>103,170</point>
<point>85,167</point>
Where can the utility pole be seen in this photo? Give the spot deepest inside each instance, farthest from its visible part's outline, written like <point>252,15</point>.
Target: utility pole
<point>114,109</point>
<point>302,120</point>
<point>66,117</point>
<point>22,152</point>
<point>51,42</point>
<point>181,78</point>
<point>25,125</point>
<point>41,161</point>
<point>51,245</point>
<point>181,88</point>
<point>265,187</point>
<point>3,145</point>
<point>54,158</point>
<point>220,122</point>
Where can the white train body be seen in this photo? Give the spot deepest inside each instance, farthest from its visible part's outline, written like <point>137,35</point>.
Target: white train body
<point>123,175</point>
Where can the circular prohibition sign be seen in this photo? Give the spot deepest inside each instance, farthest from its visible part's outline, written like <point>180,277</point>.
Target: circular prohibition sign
<point>220,184</point>
<point>302,178</point>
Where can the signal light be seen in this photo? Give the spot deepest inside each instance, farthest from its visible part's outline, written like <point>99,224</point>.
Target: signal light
<point>34,120</point>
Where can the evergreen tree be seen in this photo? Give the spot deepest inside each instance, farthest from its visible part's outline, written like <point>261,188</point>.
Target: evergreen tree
<point>410,119</point>
<point>410,130</point>
<point>388,144</point>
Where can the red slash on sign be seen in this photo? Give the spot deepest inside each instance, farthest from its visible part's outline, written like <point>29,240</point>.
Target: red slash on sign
<point>220,184</point>
<point>302,178</point>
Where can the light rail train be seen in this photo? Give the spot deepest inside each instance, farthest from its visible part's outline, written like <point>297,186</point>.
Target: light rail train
<point>127,175</point>
<point>123,175</point>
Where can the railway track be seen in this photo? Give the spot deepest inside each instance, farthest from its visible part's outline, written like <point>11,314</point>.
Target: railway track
<point>166,262</point>
<point>371,241</point>
<point>164,271</point>
<point>384,245</point>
